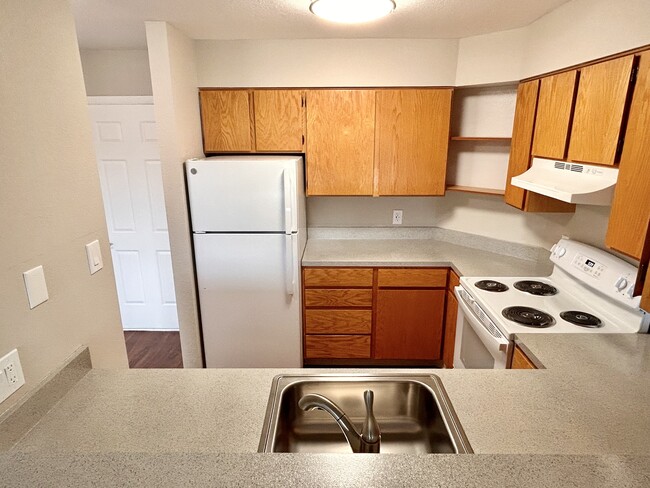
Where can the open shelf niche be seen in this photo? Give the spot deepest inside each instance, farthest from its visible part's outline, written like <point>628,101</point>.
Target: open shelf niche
<point>481,129</point>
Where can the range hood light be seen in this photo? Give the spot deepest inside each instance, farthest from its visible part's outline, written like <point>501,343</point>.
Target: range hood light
<point>352,11</point>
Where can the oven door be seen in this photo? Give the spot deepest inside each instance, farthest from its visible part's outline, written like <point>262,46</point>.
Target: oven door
<point>476,346</point>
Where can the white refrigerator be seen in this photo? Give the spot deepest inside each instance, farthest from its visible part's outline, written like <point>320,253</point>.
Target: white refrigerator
<point>248,226</point>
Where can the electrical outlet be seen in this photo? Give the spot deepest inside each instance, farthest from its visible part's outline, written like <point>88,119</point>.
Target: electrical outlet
<point>397,217</point>
<point>11,375</point>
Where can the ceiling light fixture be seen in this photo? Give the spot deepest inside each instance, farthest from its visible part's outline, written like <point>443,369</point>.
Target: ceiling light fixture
<point>352,11</point>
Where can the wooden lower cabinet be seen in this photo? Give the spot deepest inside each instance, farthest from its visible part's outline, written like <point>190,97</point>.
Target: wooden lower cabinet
<point>409,324</point>
<point>520,360</point>
<point>375,315</point>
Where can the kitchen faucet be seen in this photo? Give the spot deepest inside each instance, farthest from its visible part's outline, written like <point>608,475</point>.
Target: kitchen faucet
<point>368,440</point>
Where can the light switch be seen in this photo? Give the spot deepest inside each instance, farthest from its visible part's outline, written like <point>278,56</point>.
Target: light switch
<point>94,253</point>
<point>35,286</point>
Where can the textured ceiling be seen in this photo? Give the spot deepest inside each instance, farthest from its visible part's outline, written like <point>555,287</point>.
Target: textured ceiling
<point>119,24</point>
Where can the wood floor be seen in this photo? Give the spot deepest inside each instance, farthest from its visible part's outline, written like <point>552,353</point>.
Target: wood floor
<point>153,349</point>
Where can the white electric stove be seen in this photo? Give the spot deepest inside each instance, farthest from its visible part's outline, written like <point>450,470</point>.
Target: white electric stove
<point>588,292</point>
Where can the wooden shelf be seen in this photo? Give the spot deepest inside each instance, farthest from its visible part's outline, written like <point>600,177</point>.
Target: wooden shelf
<point>485,139</point>
<point>473,189</point>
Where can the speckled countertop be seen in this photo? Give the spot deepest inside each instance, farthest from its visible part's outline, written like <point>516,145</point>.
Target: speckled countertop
<point>467,254</point>
<point>583,421</point>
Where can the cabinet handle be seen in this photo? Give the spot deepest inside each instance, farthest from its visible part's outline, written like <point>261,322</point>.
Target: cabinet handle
<point>303,139</point>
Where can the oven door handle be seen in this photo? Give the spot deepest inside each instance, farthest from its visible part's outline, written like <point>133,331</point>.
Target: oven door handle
<point>495,345</point>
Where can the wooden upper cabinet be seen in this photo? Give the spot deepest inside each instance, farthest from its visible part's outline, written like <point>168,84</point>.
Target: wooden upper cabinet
<point>554,110</point>
<point>520,154</point>
<point>411,141</point>
<point>522,137</point>
<point>226,118</point>
<point>279,120</point>
<point>340,142</point>
<point>600,106</point>
<point>630,212</point>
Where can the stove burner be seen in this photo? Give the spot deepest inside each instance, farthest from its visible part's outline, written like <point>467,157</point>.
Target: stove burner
<point>528,316</point>
<point>536,288</point>
<point>582,319</point>
<point>490,285</point>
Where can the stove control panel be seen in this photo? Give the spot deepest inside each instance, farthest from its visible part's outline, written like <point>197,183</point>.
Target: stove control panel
<point>598,269</point>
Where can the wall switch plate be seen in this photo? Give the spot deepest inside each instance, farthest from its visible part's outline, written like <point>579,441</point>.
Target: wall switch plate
<point>35,286</point>
<point>11,375</point>
<point>397,217</point>
<point>94,253</point>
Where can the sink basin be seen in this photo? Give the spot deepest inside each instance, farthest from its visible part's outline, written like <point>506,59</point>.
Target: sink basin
<point>414,414</point>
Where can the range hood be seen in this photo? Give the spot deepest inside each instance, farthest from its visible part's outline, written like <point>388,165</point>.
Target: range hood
<point>570,182</point>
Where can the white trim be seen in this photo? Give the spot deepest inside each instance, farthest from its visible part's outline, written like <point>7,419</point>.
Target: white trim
<point>125,100</point>
<point>139,329</point>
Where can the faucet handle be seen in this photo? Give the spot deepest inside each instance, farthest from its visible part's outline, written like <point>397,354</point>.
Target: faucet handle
<point>370,432</point>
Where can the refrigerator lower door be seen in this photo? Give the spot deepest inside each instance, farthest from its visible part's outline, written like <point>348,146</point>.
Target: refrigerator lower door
<point>249,318</point>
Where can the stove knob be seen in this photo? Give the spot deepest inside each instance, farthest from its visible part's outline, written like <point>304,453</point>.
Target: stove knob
<point>620,284</point>
<point>630,291</point>
<point>561,251</point>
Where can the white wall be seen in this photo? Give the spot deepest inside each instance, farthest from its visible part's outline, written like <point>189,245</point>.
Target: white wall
<point>116,72</point>
<point>51,198</point>
<point>173,72</point>
<point>576,32</point>
<point>326,62</point>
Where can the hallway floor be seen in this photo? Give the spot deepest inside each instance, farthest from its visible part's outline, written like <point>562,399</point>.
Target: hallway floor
<point>153,349</point>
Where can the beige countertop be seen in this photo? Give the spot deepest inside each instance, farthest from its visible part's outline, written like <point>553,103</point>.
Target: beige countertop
<point>583,417</point>
<point>467,254</point>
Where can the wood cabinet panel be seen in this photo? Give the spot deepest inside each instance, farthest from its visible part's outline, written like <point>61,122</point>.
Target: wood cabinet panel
<point>279,120</point>
<point>631,205</point>
<point>340,142</point>
<point>520,155</point>
<point>315,297</point>
<point>522,137</point>
<point>454,280</point>
<point>337,346</point>
<point>598,116</point>
<point>449,342</point>
<point>554,110</point>
<point>520,360</point>
<point>226,120</point>
<point>329,277</point>
<point>412,278</point>
<point>411,141</point>
<point>319,321</point>
<point>409,324</point>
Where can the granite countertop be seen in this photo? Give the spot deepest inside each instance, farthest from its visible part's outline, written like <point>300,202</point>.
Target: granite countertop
<point>582,421</point>
<point>467,254</point>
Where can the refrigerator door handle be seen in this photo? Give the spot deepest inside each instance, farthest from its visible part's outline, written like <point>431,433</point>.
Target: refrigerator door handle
<point>288,202</point>
<point>289,280</point>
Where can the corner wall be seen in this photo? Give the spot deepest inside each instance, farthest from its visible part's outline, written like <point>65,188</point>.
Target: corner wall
<point>173,75</point>
<point>122,72</point>
<point>51,199</point>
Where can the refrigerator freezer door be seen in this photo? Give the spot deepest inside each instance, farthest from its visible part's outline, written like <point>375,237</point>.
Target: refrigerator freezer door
<point>243,195</point>
<point>248,317</point>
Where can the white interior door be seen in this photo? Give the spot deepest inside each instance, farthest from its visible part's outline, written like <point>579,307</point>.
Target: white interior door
<point>124,131</point>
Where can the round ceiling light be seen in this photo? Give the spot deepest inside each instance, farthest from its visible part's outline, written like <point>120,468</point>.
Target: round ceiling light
<point>352,11</point>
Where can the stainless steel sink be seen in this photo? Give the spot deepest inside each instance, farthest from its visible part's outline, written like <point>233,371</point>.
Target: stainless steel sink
<point>413,412</point>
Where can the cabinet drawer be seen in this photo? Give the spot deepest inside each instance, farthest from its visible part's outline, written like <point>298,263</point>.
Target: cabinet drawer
<point>410,278</point>
<point>337,346</point>
<point>338,298</point>
<point>454,280</point>
<point>338,277</point>
<point>338,321</point>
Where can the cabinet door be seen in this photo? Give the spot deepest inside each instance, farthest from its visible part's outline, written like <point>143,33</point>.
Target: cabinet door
<point>598,116</point>
<point>554,109</point>
<point>631,205</point>
<point>279,120</point>
<point>409,324</point>
<point>226,121</point>
<point>451,316</point>
<point>412,140</point>
<point>520,152</point>
<point>340,142</point>
<point>520,360</point>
